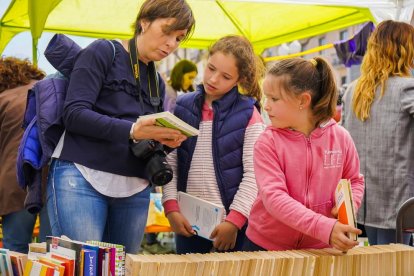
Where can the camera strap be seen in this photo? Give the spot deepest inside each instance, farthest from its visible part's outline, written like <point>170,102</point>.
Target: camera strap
<point>152,76</point>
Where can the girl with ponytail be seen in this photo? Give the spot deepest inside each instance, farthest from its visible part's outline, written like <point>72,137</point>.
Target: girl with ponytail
<point>299,160</point>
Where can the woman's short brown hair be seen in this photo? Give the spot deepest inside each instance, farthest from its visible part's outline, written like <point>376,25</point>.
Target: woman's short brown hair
<point>16,72</point>
<point>156,9</point>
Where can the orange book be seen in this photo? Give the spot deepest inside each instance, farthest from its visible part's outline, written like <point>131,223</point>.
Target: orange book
<point>68,263</point>
<point>345,206</point>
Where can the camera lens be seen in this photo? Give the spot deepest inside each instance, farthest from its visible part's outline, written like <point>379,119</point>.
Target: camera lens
<point>159,170</point>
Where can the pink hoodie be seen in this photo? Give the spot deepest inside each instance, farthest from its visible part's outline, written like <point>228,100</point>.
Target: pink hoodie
<point>296,178</point>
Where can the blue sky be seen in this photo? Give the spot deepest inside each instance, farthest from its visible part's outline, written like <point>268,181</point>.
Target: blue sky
<point>21,45</point>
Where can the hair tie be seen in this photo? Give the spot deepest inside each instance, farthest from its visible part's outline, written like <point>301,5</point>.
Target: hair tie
<point>313,61</point>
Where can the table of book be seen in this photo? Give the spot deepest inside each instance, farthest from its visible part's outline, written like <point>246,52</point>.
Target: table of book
<point>379,260</point>
<point>386,260</point>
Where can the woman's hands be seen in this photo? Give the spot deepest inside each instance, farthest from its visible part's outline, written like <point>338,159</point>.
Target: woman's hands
<point>224,236</point>
<point>146,129</point>
<point>339,238</point>
<point>179,224</point>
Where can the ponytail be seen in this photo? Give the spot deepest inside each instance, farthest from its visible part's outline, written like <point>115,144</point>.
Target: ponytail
<point>325,99</point>
<point>313,75</point>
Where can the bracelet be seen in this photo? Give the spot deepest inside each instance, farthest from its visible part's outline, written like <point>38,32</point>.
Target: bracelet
<point>131,132</point>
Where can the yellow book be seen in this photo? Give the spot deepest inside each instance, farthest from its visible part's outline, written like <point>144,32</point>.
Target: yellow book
<point>28,267</point>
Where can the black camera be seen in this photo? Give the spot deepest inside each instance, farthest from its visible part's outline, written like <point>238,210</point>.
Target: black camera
<point>153,153</point>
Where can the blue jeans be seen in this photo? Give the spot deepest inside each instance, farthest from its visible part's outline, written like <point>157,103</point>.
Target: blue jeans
<point>383,236</point>
<point>80,212</point>
<point>18,229</point>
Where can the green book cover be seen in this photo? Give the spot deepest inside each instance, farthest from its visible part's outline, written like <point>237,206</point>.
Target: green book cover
<point>167,119</point>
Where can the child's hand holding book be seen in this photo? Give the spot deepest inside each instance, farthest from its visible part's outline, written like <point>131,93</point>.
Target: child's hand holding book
<point>180,225</point>
<point>344,233</point>
<point>339,236</point>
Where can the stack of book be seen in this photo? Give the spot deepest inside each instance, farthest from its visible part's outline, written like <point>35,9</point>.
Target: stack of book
<point>12,263</point>
<point>393,259</point>
<point>67,258</point>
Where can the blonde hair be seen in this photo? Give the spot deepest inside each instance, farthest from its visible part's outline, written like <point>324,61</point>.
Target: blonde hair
<point>390,52</point>
<point>298,75</point>
<point>249,66</point>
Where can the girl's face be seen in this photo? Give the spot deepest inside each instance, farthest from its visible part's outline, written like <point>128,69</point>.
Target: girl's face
<point>281,108</point>
<point>188,79</point>
<point>156,41</point>
<point>220,76</point>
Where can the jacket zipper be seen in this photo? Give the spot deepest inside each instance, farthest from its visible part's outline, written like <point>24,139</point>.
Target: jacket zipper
<point>308,177</point>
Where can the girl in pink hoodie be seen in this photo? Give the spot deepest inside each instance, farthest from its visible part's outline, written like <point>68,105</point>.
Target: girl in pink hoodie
<point>299,161</point>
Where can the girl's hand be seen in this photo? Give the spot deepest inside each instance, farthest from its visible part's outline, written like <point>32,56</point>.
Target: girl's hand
<point>224,236</point>
<point>340,240</point>
<point>179,224</point>
<point>146,129</point>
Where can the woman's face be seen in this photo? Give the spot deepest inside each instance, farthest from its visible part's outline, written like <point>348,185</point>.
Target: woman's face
<point>155,41</point>
<point>188,79</point>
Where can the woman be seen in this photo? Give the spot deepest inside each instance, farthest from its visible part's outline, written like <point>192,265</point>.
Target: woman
<point>181,81</point>
<point>17,76</point>
<point>379,114</point>
<point>97,188</point>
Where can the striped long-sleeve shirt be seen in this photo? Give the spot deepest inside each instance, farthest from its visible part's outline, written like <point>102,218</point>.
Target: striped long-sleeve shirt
<point>202,179</point>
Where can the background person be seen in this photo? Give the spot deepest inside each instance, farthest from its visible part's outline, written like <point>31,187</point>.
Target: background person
<point>17,76</point>
<point>98,189</point>
<point>181,81</point>
<point>379,115</point>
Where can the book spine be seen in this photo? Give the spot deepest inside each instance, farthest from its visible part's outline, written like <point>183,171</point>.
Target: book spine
<point>90,267</point>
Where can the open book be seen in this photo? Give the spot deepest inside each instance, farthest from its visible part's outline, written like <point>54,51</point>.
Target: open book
<point>345,205</point>
<point>167,119</point>
<point>203,216</point>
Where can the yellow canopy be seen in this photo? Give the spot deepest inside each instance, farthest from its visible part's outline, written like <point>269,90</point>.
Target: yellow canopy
<point>264,23</point>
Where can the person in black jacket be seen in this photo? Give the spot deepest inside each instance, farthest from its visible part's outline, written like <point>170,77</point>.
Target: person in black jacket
<point>98,188</point>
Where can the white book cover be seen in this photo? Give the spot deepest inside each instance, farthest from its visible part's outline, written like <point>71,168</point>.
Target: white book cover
<point>167,119</point>
<point>203,215</point>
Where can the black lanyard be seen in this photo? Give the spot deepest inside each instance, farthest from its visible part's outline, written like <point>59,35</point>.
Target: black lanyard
<point>152,77</point>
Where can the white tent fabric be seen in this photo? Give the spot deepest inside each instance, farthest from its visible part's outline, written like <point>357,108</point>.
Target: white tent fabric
<point>400,10</point>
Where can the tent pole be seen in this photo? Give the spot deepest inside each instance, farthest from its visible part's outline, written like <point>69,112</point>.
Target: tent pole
<point>34,51</point>
<point>232,19</point>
